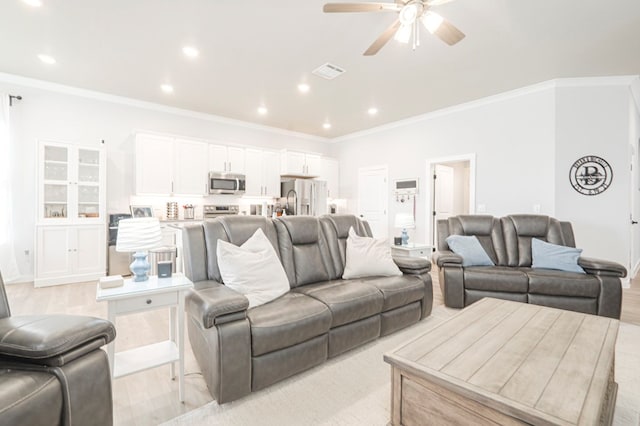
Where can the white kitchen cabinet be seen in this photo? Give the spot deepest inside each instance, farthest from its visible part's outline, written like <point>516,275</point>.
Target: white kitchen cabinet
<point>154,164</point>
<point>191,167</point>
<point>229,159</point>
<point>262,173</point>
<point>167,166</point>
<point>68,254</point>
<point>71,184</point>
<point>330,172</point>
<point>295,163</point>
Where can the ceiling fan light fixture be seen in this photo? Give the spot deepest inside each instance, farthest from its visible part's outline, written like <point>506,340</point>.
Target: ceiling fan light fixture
<point>409,13</point>
<point>432,21</point>
<point>403,35</point>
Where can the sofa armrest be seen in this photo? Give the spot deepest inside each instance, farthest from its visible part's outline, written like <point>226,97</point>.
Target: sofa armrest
<point>212,303</point>
<point>412,265</point>
<point>602,267</point>
<point>446,256</point>
<point>52,340</point>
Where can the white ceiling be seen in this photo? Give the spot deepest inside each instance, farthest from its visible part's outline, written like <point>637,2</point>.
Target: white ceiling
<point>257,51</point>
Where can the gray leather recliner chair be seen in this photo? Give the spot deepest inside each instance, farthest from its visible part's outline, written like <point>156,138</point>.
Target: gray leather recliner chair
<point>507,241</point>
<point>52,371</point>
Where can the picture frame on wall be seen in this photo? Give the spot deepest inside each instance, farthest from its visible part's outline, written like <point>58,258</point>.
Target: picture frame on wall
<point>141,211</point>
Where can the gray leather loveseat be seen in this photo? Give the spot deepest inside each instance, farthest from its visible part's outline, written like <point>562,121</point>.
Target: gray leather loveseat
<point>507,241</point>
<point>243,350</point>
<point>52,370</point>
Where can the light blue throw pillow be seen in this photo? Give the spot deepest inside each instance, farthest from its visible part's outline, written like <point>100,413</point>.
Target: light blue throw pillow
<point>552,256</point>
<point>470,249</point>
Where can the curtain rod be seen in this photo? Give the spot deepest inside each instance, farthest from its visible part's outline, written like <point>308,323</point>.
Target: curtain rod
<point>12,97</point>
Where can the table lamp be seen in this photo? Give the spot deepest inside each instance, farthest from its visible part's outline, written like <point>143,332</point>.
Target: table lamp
<point>138,235</point>
<point>404,221</point>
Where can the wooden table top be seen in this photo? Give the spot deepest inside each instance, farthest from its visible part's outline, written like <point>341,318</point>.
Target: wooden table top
<point>535,363</point>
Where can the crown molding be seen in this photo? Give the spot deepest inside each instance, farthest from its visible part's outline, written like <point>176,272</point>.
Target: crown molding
<point>122,100</point>
<point>500,97</point>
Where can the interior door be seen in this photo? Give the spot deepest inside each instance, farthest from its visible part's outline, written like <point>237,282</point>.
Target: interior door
<point>443,196</point>
<point>373,198</point>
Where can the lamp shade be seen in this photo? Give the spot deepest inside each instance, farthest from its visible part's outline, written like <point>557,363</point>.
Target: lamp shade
<point>138,234</point>
<point>404,220</point>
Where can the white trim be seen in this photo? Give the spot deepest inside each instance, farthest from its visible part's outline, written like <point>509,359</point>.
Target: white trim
<point>122,100</point>
<point>635,91</point>
<point>616,80</point>
<point>500,97</point>
<point>430,170</point>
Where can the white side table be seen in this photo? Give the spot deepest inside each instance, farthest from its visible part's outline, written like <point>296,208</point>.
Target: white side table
<point>412,250</point>
<point>142,296</point>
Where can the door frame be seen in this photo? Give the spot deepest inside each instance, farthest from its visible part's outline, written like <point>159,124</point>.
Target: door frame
<point>385,169</point>
<point>634,266</point>
<point>428,192</point>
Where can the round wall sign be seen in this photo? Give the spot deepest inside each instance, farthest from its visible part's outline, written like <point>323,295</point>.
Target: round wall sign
<point>590,175</point>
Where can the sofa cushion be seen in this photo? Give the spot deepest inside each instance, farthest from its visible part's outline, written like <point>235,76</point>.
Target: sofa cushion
<point>252,269</point>
<point>368,257</point>
<point>561,283</point>
<point>486,228</point>
<point>469,248</point>
<point>553,256</point>
<point>303,250</point>
<point>518,231</point>
<point>29,398</point>
<point>348,301</point>
<point>397,291</point>
<point>286,321</point>
<point>496,278</point>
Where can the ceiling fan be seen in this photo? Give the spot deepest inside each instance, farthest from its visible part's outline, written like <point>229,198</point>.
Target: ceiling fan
<point>410,12</point>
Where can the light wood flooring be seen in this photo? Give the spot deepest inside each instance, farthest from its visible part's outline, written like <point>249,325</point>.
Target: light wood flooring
<point>151,397</point>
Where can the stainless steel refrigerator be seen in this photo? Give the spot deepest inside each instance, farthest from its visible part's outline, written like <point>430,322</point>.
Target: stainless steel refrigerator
<point>306,197</point>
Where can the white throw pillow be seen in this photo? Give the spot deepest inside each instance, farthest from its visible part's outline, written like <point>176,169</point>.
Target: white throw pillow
<point>368,257</point>
<point>253,269</point>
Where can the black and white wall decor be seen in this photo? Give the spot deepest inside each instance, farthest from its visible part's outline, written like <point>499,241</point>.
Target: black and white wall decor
<point>590,175</point>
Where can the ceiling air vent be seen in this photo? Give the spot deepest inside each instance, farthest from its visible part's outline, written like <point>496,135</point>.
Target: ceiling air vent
<point>328,71</point>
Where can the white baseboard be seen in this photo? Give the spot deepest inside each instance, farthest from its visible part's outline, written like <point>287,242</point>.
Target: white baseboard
<point>21,279</point>
<point>626,282</point>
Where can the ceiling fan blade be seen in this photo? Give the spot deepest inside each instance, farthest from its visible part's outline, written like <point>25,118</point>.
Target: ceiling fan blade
<point>431,3</point>
<point>359,7</point>
<point>449,33</point>
<point>383,39</point>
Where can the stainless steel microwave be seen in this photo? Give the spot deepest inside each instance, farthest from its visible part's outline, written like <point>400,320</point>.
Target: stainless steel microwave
<point>226,183</point>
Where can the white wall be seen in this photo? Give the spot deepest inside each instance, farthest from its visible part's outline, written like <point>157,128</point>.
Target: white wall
<point>513,137</point>
<point>525,142</point>
<point>594,120</point>
<point>78,119</point>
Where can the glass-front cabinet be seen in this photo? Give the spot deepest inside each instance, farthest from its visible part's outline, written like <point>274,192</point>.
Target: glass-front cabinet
<point>71,184</point>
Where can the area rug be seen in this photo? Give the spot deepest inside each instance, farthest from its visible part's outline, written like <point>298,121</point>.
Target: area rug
<point>353,389</point>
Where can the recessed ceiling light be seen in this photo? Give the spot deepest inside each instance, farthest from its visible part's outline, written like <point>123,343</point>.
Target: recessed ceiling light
<point>372,111</point>
<point>303,87</point>
<point>326,126</point>
<point>33,3</point>
<point>190,51</point>
<point>262,110</point>
<point>167,88</point>
<point>47,59</point>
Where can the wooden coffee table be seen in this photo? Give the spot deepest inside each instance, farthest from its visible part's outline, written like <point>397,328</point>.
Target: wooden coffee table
<point>503,362</point>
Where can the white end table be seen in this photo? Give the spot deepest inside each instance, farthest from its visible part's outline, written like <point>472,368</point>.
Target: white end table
<point>142,296</point>
<point>412,250</point>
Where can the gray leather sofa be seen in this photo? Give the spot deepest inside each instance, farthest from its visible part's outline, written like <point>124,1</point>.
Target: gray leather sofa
<point>507,241</point>
<point>52,371</point>
<point>243,350</point>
